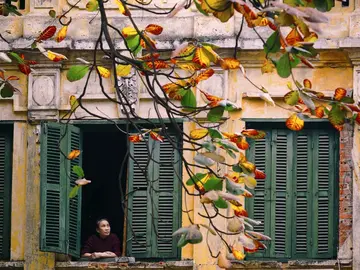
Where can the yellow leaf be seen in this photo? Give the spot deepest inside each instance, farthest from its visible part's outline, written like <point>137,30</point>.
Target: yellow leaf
<point>267,67</point>
<point>73,154</point>
<point>250,182</point>
<point>122,8</point>
<point>225,15</point>
<point>73,102</point>
<point>129,32</point>
<point>204,56</point>
<point>294,122</point>
<point>238,254</point>
<point>123,70</point>
<point>189,66</point>
<point>61,35</point>
<point>229,63</point>
<point>198,133</point>
<point>104,72</point>
<point>55,57</point>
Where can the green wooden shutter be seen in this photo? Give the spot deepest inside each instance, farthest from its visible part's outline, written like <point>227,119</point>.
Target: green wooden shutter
<point>5,193</point>
<point>139,205</point>
<point>259,205</point>
<point>168,175</point>
<point>74,204</point>
<point>154,209</point>
<point>282,150</point>
<point>324,195</point>
<point>60,217</point>
<point>302,186</point>
<point>53,189</point>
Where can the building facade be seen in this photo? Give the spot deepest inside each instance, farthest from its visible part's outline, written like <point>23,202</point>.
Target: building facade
<point>314,221</point>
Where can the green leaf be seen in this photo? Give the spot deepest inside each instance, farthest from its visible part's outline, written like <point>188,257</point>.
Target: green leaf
<point>272,44</point>
<point>336,115</point>
<point>284,19</point>
<point>92,5</point>
<point>77,72</point>
<point>221,203</point>
<point>52,13</point>
<point>209,146</point>
<point>16,57</point>
<point>189,100</point>
<point>232,189</point>
<point>196,178</point>
<point>283,66</point>
<point>79,171</point>
<point>214,134</point>
<point>74,191</point>
<point>291,98</point>
<point>6,90</point>
<point>215,114</point>
<point>230,153</point>
<point>324,5</point>
<point>237,168</point>
<point>133,42</point>
<point>199,8</point>
<point>295,61</point>
<point>182,241</point>
<point>213,183</point>
<point>347,100</point>
<point>308,101</point>
<point>227,145</point>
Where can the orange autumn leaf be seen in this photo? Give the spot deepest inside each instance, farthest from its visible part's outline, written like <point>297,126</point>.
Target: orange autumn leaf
<point>247,194</point>
<point>239,211</point>
<point>104,72</point>
<point>259,174</point>
<point>242,143</point>
<point>293,38</point>
<point>320,111</point>
<point>339,93</point>
<point>157,64</point>
<point>147,42</point>
<point>307,84</point>
<point>154,29</point>
<point>204,56</point>
<point>55,57</point>
<point>156,136</point>
<point>247,165</point>
<point>61,35</point>
<point>294,122</point>
<point>73,154</point>
<point>357,119</point>
<point>254,134</point>
<point>150,56</point>
<point>136,138</point>
<point>204,75</point>
<point>47,33</point>
<point>238,254</point>
<point>229,63</point>
<point>339,127</point>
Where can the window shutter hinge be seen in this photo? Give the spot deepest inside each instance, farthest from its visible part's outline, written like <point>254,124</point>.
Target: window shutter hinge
<point>38,133</point>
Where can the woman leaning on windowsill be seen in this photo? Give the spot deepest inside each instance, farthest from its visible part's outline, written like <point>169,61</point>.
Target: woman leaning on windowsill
<point>102,245</point>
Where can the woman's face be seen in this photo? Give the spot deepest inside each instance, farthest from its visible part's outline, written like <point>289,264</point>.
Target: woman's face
<point>103,228</point>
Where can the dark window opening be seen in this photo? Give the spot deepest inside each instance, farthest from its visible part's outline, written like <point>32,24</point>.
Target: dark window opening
<point>104,149</point>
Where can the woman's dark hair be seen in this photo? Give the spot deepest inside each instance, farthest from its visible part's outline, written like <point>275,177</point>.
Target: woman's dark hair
<point>99,221</point>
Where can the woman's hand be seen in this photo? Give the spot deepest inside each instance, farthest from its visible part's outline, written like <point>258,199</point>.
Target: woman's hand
<point>96,255</point>
<point>106,254</point>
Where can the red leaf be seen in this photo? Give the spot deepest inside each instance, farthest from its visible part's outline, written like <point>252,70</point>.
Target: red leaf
<point>13,78</point>
<point>24,69</point>
<point>259,174</point>
<point>339,93</point>
<point>47,33</point>
<point>154,29</point>
<point>31,62</point>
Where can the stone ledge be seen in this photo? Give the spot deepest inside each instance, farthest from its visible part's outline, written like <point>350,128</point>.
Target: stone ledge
<point>12,265</point>
<point>183,265</point>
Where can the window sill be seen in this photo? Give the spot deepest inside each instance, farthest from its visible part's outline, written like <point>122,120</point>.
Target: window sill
<point>293,264</point>
<point>12,265</point>
<point>183,265</point>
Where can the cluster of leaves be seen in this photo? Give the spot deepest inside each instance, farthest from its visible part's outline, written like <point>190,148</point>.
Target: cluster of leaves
<point>295,26</point>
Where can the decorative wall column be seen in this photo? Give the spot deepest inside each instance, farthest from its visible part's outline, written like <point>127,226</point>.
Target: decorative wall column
<point>44,93</point>
<point>129,88</point>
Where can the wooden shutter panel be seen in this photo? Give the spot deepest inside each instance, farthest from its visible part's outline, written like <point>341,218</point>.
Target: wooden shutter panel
<point>139,205</point>
<point>302,186</point>
<point>281,207</point>
<point>324,156</point>
<point>168,174</point>
<point>5,193</point>
<point>74,205</point>
<point>259,205</point>
<point>53,189</point>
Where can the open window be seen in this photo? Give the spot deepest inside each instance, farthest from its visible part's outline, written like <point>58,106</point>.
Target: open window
<point>152,215</point>
<point>297,202</point>
<point>5,189</point>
